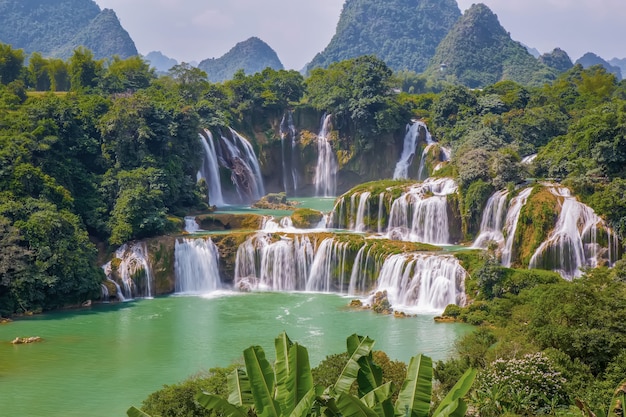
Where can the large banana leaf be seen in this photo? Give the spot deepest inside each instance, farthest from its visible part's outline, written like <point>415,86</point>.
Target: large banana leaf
<point>303,408</point>
<point>370,375</point>
<point>453,405</point>
<point>217,403</point>
<point>357,348</point>
<point>239,388</point>
<point>618,402</point>
<point>414,397</point>
<point>261,377</point>
<point>135,412</point>
<point>282,369</point>
<point>351,406</point>
<point>379,400</point>
<point>300,379</point>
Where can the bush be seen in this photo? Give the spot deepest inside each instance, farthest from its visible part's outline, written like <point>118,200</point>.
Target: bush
<point>529,386</point>
<point>178,400</point>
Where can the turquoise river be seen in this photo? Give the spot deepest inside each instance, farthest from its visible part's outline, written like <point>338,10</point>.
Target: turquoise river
<point>101,360</point>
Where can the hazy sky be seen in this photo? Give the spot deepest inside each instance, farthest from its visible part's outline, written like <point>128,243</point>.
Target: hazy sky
<point>193,30</point>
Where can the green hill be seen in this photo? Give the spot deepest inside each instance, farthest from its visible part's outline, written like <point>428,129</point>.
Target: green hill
<point>590,59</point>
<point>478,51</point>
<point>252,55</point>
<point>557,59</point>
<point>57,27</point>
<point>403,33</point>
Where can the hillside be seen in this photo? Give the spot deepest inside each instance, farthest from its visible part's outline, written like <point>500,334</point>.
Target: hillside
<point>403,33</point>
<point>557,59</point>
<point>57,27</point>
<point>478,51</point>
<point>252,55</point>
<point>621,63</point>
<point>591,59</point>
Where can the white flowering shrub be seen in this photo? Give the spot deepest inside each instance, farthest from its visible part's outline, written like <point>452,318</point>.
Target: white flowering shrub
<point>529,385</point>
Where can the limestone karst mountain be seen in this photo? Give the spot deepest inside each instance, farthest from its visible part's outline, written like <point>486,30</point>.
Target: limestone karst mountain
<point>57,27</point>
<point>252,55</point>
<point>403,33</point>
<point>478,51</point>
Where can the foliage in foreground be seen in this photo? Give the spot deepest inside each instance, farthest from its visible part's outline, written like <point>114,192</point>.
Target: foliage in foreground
<point>287,388</point>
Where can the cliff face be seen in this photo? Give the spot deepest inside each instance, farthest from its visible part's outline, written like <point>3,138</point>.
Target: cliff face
<point>403,33</point>
<point>56,28</point>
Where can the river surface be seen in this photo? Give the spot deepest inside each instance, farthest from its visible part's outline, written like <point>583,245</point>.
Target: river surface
<point>99,361</point>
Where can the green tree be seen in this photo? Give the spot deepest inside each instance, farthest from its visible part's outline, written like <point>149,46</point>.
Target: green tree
<point>11,62</point>
<point>84,71</point>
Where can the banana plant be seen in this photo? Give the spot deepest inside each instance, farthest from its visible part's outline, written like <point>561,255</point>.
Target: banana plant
<point>287,389</point>
<point>283,391</point>
<point>617,406</point>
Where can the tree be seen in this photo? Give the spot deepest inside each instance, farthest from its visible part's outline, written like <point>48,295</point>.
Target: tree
<point>127,75</point>
<point>84,71</point>
<point>11,61</point>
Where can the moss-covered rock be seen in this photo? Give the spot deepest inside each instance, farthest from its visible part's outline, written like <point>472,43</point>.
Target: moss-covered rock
<point>305,218</point>
<point>161,260</point>
<point>536,221</point>
<point>275,201</point>
<point>226,221</point>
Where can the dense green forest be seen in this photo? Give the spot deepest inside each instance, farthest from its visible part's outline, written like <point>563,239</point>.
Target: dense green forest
<point>94,153</point>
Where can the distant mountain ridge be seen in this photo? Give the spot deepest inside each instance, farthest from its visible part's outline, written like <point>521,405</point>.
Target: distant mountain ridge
<point>252,55</point>
<point>160,62</point>
<point>56,27</point>
<point>403,33</point>
<point>590,59</point>
<point>478,52</point>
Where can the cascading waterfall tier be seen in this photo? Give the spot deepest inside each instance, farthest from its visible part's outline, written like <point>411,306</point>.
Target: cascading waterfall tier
<point>332,264</point>
<point>573,243</point>
<point>196,266</point>
<point>421,213</point>
<point>209,170</point>
<point>510,224</point>
<point>411,139</point>
<point>422,282</point>
<point>133,275</point>
<point>191,225</point>
<point>326,169</point>
<point>288,148</point>
<point>493,221</point>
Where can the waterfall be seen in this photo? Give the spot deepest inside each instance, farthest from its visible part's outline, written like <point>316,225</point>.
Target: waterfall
<point>362,212</point>
<point>492,221</point>
<point>510,224</point>
<point>269,224</point>
<point>134,270</point>
<point>196,266</point>
<point>329,258</point>
<point>381,207</point>
<point>527,160</point>
<point>572,244</point>
<point>240,158</point>
<point>326,170</point>
<point>420,171</point>
<point>210,170</point>
<point>191,226</point>
<point>411,139</point>
<point>288,131</point>
<point>421,213</point>
<point>421,282</point>
<point>277,266</point>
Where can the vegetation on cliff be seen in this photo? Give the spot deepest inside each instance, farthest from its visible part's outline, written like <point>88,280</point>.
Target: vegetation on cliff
<point>252,56</point>
<point>478,51</point>
<point>55,29</point>
<point>402,33</point>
